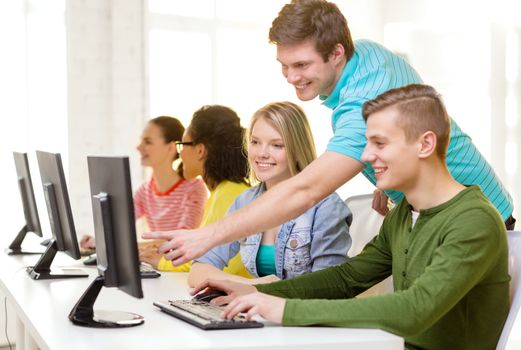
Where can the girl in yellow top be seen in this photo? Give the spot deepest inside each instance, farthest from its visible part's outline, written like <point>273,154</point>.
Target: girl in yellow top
<point>212,147</point>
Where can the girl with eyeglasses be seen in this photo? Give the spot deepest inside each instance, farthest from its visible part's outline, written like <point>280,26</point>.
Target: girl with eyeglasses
<point>212,148</point>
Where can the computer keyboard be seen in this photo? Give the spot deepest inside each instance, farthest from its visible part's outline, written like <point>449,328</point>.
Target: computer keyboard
<point>204,315</point>
<point>147,271</point>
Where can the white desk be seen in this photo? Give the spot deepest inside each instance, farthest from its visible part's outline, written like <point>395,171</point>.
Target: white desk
<point>42,308</point>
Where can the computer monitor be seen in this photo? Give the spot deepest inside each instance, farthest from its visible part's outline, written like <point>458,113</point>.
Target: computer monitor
<point>60,217</point>
<point>32,221</point>
<point>116,243</point>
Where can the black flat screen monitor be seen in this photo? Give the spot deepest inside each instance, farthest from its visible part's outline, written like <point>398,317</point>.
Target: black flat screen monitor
<point>60,217</point>
<point>116,243</point>
<point>32,221</point>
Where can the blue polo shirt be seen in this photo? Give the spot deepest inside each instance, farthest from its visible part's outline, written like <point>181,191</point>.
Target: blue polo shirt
<point>374,70</point>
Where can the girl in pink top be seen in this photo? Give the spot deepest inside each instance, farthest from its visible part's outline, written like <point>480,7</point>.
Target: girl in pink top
<point>167,201</point>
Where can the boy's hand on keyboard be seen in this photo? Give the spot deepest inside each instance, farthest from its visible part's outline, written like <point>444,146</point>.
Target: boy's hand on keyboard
<point>267,306</point>
<point>232,289</point>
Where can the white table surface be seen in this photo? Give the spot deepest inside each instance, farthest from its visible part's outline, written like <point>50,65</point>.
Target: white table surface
<point>43,307</point>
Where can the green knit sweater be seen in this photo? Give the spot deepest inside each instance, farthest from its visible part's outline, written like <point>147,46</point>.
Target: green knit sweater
<point>450,274</point>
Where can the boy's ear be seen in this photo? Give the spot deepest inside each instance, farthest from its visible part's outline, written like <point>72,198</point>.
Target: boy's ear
<point>428,142</point>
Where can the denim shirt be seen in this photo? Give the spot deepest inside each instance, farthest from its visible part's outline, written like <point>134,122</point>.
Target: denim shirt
<point>317,239</point>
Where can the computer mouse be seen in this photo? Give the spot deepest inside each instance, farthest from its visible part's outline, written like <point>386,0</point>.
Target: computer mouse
<point>208,295</point>
<point>91,260</point>
<point>45,242</point>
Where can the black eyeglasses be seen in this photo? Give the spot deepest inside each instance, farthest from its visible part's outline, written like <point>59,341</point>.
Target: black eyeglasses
<point>179,145</point>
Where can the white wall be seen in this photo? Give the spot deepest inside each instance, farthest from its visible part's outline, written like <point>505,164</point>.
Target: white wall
<point>106,90</point>
<point>471,52</point>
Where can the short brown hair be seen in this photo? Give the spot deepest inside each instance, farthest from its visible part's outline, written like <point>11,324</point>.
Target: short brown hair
<point>317,20</point>
<point>420,109</point>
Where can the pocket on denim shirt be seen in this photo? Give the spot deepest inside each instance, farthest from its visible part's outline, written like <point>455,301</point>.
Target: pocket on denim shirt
<point>248,251</point>
<point>297,255</point>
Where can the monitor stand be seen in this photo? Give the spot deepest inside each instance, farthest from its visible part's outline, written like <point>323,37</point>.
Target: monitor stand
<point>83,313</point>
<point>46,242</point>
<point>42,270</point>
<point>15,248</point>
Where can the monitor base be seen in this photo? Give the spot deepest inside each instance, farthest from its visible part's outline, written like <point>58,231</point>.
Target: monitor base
<point>15,248</point>
<point>21,251</point>
<point>55,273</point>
<point>109,319</point>
<point>83,314</point>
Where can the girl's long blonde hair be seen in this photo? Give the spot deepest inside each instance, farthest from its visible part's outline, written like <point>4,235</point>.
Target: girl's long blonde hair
<point>291,122</point>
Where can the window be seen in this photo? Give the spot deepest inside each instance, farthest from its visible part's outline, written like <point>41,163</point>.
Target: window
<point>33,84</point>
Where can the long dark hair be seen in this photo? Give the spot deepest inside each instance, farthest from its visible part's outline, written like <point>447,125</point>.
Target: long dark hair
<point>172,131</point>
<point>218,128</point>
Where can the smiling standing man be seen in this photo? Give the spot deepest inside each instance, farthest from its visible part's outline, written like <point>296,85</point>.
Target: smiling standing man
<point>319,58</point>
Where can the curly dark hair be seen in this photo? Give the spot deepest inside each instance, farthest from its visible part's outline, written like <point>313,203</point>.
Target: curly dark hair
<point>218,128</point>
<point>172,131</point>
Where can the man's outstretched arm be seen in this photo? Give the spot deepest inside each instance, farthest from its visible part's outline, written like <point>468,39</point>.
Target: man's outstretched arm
<point>283,202</point>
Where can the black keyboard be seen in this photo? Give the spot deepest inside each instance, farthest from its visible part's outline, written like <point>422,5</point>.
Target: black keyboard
<point>147,271</point>
<point>204,315</point>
